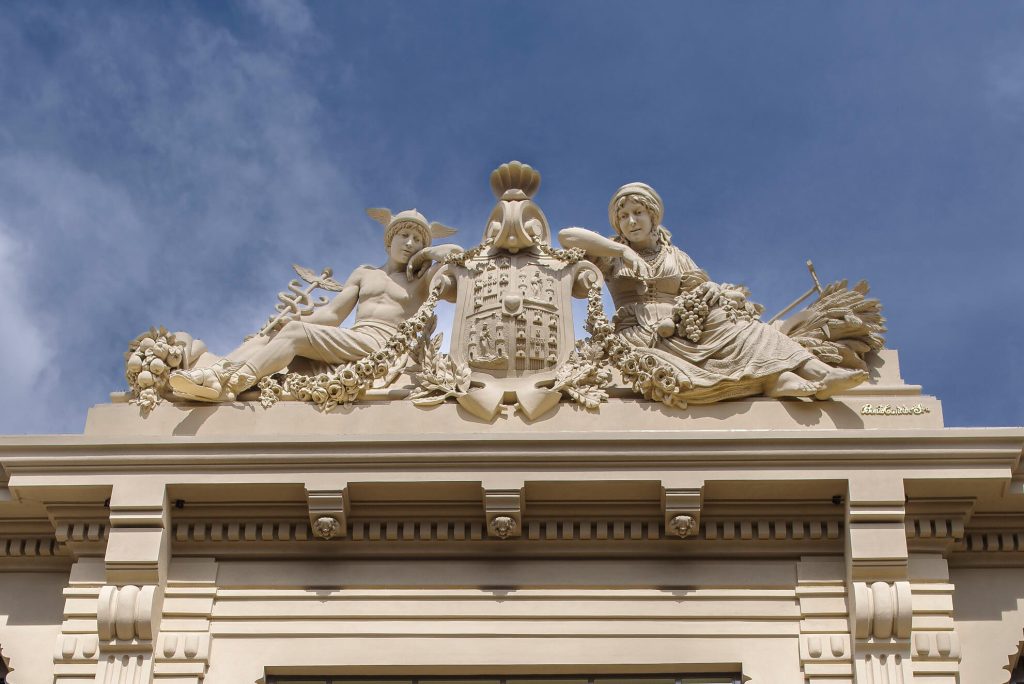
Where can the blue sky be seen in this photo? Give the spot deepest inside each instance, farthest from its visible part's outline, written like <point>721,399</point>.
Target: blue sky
<point>164,163</point>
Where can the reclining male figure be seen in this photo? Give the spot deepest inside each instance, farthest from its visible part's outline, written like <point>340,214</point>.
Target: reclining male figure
<point>382,296</point>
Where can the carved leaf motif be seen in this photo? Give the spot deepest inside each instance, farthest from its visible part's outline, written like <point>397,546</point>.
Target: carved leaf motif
<point>441,376</point>
<point>583,380</point>
<point>589,396</point>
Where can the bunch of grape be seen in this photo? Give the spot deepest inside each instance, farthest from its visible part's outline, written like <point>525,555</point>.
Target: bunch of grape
<point>690,312</point>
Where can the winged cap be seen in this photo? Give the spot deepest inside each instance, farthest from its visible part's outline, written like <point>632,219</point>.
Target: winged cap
<point>392,222</point>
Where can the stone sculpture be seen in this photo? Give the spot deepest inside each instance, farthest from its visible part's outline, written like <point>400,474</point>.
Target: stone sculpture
<point>383,297</point>
<point>704,336</point>
<point>513,332</point>
<point>676,337</point>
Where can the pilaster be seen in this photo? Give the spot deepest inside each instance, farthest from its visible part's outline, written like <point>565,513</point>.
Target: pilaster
<point>183,648</point>
<point>77,648</point>
<point>825,641</point>
<point>935,645</point>
<point>135,567</point>
<point>878,586</point>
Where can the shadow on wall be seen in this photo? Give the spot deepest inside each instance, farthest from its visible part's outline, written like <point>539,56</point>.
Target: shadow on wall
<point>32,599</point>
<point>986,594</point>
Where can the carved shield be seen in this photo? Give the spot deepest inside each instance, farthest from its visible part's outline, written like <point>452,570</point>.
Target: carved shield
<point>513,316</point>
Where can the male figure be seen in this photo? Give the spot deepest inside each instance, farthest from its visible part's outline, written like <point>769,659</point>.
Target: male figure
<point>382,296</point>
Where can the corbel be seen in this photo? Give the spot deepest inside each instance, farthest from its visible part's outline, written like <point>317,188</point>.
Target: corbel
<point>878,583</point>
<point>328,518</point>
<point>504,511</point>
<point>681,507</point>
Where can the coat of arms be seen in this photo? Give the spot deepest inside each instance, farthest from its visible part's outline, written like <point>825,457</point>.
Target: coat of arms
<point>513,321</point>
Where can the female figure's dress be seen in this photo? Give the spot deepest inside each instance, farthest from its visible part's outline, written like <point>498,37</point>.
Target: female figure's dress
<point>732,358</point>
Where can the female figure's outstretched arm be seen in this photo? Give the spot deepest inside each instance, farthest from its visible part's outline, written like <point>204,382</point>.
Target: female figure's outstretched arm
<point>599,246</point>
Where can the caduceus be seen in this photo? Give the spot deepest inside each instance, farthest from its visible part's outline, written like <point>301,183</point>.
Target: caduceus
<point>296,301</point>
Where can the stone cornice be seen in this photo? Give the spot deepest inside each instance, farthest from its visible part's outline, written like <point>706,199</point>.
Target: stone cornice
<point>997,447</point>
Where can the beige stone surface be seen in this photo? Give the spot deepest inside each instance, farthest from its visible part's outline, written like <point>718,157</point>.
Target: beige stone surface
<point>30,616</point>
<point>820,555</point>
<point>989,610</point>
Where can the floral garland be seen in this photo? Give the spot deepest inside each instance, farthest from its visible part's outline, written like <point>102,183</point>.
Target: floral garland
<point>583,379</point>
<point>348,381</point>
<point>643,370</point>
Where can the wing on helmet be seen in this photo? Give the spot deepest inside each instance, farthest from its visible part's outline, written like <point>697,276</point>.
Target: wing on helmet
<point>439,230</point>
<point>380,215</point>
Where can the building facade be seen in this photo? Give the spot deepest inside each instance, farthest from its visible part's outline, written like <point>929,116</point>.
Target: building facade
<point>854,540</point>
<point>688,496</point>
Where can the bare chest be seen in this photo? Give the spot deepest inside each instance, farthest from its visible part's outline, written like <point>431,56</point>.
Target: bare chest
<point>395,288</point>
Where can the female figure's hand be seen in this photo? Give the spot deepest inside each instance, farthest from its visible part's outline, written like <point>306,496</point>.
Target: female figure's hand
<point>635,263</point>
<point>712,293</point>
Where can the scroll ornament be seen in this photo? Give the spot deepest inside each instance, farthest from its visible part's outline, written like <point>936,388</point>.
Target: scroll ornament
<point>127,613</point>
<point>882,610</point>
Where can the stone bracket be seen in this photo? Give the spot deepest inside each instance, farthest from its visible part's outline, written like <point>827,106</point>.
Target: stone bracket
<point>503,509</point>
<point>128,613</point>
<point>328,518</point>
<point>882,610</point>
<point>681,506</point>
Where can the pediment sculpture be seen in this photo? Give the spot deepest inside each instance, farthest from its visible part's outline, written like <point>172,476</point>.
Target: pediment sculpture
<point>676,336</point>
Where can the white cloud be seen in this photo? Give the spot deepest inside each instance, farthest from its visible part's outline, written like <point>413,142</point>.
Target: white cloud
<point>291,17</point>
<point>158,178</point>
<point>1005,84</point>
<point>25,349</point>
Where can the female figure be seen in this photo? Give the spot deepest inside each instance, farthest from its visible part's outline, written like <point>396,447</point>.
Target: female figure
<point>722,350</point>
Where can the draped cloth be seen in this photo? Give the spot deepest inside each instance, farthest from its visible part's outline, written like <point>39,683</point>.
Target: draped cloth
<point>731,359</point>
<point>335,345</point>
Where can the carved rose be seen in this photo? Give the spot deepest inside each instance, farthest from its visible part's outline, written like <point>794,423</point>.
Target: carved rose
<point>503,526</point>
<point>326,527</point>
<point>682,526</point>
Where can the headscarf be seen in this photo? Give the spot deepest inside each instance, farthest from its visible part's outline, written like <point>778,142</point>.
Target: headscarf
<point>636,189</point>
